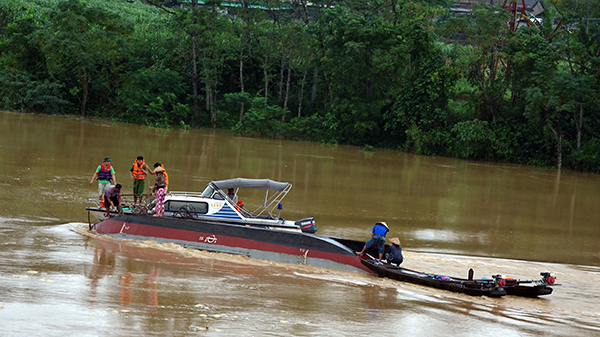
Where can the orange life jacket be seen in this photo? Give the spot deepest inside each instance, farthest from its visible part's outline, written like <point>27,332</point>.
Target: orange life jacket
<point>138,172</point>
<point>166,175</point>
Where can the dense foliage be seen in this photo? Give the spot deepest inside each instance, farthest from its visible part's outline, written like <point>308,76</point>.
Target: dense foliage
<point>400,74</point>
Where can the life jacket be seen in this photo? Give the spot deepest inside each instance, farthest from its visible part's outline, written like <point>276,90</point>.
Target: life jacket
<point>138,172</point>
<point>166,175</point>
<point>104,173</point>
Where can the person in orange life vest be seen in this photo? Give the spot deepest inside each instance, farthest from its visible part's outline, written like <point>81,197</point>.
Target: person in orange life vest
<point>159,188</point>
<point>138,172</point>
<point>105,174</point>
<point>378,237</point>
<point>164,172</point>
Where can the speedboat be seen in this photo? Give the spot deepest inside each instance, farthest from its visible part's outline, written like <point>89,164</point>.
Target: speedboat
<point>212,221</point>
<point>214,205</point>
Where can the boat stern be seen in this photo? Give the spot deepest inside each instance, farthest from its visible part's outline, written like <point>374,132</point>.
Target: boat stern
<point>307,225</point>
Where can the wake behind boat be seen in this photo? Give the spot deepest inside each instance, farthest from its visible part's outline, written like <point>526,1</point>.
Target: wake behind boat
<point>214,222</point>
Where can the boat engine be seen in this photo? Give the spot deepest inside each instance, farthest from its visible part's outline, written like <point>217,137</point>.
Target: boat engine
<point>499,280</point>
<point>548,278</point>
<point>307,225</point>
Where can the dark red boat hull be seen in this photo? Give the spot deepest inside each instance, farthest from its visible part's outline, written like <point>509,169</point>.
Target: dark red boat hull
<point>253,241</point>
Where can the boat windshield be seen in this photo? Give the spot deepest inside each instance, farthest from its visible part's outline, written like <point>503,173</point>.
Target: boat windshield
<point>208,192</point>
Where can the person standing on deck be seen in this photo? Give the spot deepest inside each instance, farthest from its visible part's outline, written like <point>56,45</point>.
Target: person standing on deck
<point>166,177</point>
<point>105,174</point>
<point>138,172</point>
<point>377,237</point>
<point>159,186</point>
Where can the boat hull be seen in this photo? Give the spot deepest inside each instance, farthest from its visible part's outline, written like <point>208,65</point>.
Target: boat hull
<point>468,287</point>
<point>258,242</point>
<point>529,290</point>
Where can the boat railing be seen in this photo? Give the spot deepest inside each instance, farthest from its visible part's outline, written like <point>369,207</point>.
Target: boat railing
<point>271,203</point>
<point>265,210</point>
<point>187,194</point>
<point>144,205</point>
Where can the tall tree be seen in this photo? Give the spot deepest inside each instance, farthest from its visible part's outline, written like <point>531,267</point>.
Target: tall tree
<point>188,21</point>
<point>81,38</point>
<point>581,49</point>
<point>485,27</point>
<point>417,116</point>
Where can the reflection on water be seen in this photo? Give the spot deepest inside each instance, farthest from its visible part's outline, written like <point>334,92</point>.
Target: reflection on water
<point>104,265</point>
<point>126,291</point>
<point>143,282</point>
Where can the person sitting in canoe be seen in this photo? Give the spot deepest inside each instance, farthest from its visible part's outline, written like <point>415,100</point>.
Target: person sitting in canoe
<point>377,237</point>
<point>394,254</point>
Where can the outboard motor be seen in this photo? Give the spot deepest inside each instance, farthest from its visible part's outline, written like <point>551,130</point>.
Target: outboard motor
<point>307,225</point>
<point>548,278</point>
<point>499,280</point>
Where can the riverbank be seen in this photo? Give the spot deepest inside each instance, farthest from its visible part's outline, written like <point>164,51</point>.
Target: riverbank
<point>329,76</point>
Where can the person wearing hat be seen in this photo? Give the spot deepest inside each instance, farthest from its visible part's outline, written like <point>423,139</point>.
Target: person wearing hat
<point>394,254</point>
<point>377,237</point>
<point>160,183</point>
<point>105,174</point>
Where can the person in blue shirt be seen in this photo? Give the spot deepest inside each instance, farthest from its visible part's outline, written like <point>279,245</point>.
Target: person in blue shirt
<point>394,254</point>
<point>377,237</point>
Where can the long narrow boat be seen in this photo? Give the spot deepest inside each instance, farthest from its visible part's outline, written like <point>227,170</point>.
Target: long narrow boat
<point>498,285</point>
<point>480,287</point>
<point>213,222</point>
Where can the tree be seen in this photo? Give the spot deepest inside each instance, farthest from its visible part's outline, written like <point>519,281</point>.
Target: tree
<point>81,39</point>
<point>188,22</point>
<point>581,49</point>
<point>362,63</point>
<point>485,27</point>
<point>418,114</point>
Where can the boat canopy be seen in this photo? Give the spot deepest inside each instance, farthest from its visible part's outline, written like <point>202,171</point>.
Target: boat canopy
<point>265,184</point>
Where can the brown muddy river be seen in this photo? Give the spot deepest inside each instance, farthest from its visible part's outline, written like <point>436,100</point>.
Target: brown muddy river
<point>57,279</point>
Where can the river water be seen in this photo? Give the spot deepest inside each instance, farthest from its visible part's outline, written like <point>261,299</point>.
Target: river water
<point>57,279</point>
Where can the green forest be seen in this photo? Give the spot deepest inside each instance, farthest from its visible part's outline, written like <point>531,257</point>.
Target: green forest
<point>398,74</point>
